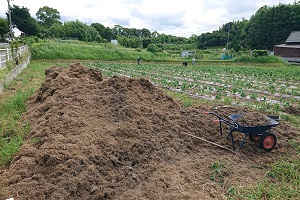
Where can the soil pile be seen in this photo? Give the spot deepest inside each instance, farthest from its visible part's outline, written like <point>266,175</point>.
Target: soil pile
<point>253,119</point>
<point>123,138</point>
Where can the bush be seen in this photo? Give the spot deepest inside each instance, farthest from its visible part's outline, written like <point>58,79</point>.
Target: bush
<point>152,48</point>
<point>260,59</point>
<point>257,53</point>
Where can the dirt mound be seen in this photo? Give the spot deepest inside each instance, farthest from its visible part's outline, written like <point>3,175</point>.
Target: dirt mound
<point>123,138</point>
<point>253,119</point>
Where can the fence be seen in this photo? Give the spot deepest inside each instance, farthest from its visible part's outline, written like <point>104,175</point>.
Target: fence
<point>6,54</point>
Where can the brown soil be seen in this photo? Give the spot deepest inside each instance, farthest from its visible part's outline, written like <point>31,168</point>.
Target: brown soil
<point>123,138</point>
<point>253,119</point>
<point>292,110</point>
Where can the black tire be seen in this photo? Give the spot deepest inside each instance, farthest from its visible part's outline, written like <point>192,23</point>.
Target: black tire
<point>253,137</point>
<point>268,141</point>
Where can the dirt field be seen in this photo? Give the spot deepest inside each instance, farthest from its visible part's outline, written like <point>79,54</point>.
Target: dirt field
<point>124,138</point>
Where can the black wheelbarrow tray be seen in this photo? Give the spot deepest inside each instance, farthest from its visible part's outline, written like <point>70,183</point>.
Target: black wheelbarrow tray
<point>262,134</point>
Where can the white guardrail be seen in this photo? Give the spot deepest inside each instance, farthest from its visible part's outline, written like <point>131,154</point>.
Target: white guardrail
<point>6,54</point>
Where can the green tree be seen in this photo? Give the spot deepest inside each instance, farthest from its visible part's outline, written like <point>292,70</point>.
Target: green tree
<point>104,32</point>
<point>146,33</point>
<point>81,31</point>
<point>21,18</point>
<point>57,30</point>
<point>4,27</point>
<point>272,25</point>
<point>48,16</point>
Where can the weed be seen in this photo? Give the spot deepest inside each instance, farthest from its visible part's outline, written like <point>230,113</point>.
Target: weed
<point>217,175</point>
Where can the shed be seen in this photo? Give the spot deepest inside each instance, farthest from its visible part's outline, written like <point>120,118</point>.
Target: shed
<point>115,42</point>
<point>186,53</point>
<point>290,50</point>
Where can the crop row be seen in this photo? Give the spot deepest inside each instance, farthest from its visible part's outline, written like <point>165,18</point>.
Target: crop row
<point>203,82</point>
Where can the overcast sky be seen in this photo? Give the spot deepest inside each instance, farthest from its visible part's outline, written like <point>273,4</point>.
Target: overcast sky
<point>175,17</point>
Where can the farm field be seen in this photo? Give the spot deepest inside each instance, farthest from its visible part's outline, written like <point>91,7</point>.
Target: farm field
<point>264,88</point>
<point>93,134</point>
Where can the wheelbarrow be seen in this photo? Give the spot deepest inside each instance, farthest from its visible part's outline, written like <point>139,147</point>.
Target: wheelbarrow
<point>267,139</point>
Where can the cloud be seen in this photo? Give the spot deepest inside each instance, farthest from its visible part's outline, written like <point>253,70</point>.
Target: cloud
<point>181,18</point>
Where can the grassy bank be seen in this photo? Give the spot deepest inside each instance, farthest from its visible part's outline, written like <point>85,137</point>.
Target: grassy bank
<point>107,52</point>
<point>58,49</point>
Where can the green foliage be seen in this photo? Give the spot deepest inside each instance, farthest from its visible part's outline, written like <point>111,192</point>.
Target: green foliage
<point>152,48</point>
<point>13,130</point>
<point>23,21</point>
<point>272,25</point>
<point>216,38</point>
<point>282,182</point>
<point>217,175</point>
<point>31,40</point>
<point>130,42</point>
<point>60,49</point>
<point>47,16</point>
<point>76,30</point>
<point>4,27</point>
<point>257,53</point>
<point>261,59</point>
<point>104,32</point>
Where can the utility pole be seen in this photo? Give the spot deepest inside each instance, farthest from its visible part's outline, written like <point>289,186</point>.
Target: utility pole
<point>10,25</point>
<point>228,37</point>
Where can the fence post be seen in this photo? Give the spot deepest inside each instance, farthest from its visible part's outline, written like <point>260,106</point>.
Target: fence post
<point>7,53</point>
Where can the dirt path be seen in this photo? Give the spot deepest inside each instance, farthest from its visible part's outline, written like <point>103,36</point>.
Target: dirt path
<point>124,139</point>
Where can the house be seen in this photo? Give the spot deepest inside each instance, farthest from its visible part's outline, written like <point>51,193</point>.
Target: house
<point>290,50</point>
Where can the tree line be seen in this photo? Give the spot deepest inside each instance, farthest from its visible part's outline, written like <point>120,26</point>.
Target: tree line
<point>269,26</point>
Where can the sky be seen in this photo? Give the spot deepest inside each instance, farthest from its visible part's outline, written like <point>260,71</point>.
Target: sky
<point>175,17</point>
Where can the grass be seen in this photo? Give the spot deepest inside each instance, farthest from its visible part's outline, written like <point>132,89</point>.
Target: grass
<point>282,181</point>
<point>13,129</point>
<point>10,65</point>
<point>12,105</point>
<point>185,100</point>
<point>108,52</point>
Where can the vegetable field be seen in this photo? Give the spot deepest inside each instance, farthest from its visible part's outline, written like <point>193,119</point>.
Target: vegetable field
<point>265,88</point>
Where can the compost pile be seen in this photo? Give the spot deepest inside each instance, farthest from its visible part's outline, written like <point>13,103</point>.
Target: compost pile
<point>121,138</point>
<point>253,119</point>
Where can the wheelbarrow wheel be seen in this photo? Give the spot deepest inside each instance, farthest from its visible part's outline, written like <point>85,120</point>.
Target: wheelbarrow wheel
<point>267,141</point>
<point>253,137</point>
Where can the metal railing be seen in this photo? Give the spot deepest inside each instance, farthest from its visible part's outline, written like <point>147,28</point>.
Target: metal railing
<point>6,54</point>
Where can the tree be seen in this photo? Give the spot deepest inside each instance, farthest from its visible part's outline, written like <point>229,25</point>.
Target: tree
<point>4,27</point>
<point>104,32</point>
<point>48,16</point>
<point>146,33</point>
<point>21,18</point>
<point>81,31</point>
<point>57,30</point>
<point>272,25</point>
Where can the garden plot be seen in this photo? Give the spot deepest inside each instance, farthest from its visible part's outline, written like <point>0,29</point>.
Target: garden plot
<point>123,138</point>
<point>263,87</point>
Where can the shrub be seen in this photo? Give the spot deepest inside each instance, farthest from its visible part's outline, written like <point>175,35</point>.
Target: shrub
<point>152,48</point>
<point>257,53</point>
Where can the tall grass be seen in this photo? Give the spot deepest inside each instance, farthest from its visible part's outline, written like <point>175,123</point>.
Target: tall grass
<point>12,105</point>
<point>259,59</point>
<point>108,52</point>
<point>12,128</point>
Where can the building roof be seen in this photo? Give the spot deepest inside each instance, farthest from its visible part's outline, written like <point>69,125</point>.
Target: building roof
<point>294,37</point>
<point>288,46</point>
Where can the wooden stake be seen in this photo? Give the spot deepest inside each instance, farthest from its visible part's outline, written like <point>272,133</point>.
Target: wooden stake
<point>211,143</point>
